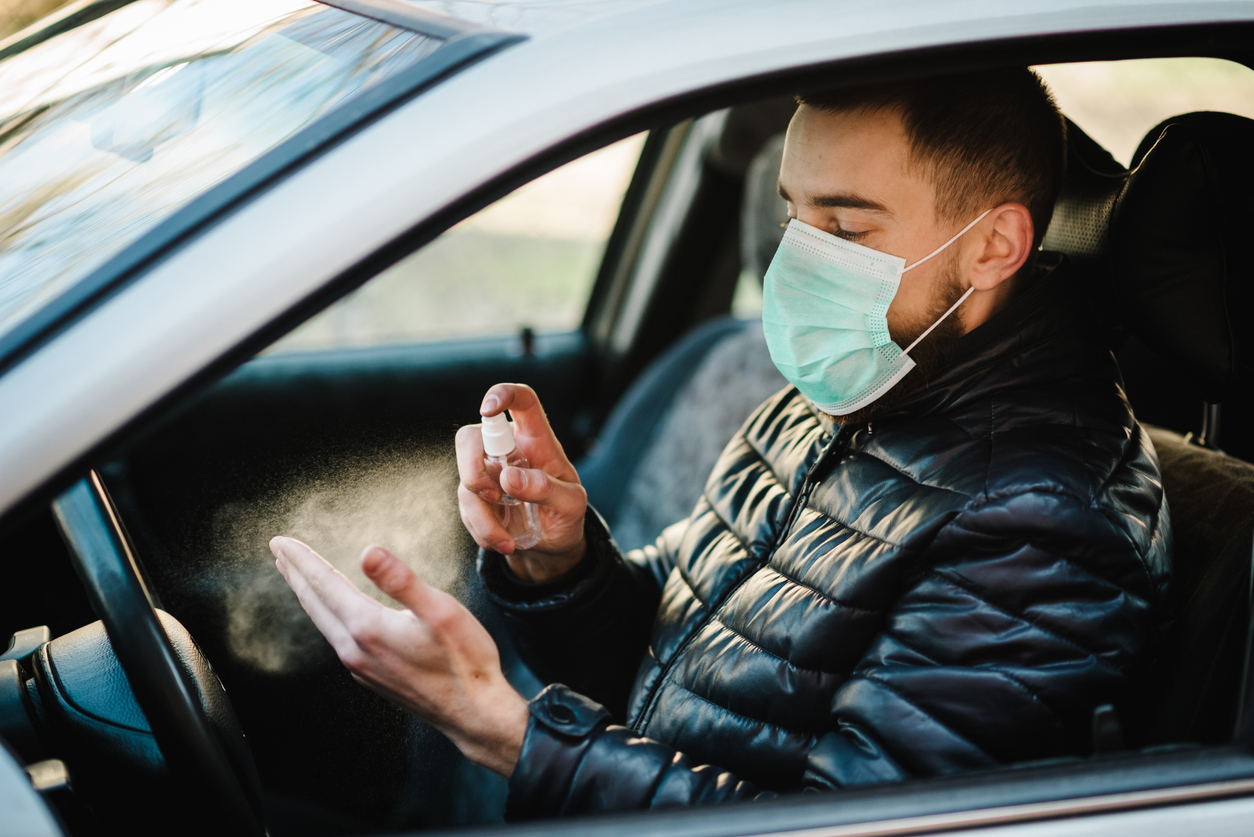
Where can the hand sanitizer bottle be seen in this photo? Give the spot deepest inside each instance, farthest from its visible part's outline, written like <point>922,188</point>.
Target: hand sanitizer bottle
<point>520,519</point>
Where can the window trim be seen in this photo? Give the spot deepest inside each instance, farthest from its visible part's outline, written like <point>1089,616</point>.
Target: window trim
<point>1002,796</point>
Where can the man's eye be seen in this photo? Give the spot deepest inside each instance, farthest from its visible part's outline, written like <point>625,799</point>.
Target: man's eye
<point>848,235</point>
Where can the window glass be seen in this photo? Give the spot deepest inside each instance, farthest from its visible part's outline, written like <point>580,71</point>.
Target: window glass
<point>528,260</point>
<point>1118,102</point>
<point>108,128</point>
<point>747,298</point>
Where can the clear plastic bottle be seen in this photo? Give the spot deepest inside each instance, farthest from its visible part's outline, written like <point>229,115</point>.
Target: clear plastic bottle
<point>520,519</point>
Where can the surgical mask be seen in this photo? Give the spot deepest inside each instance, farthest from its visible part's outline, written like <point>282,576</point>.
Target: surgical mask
<point>824,313</point>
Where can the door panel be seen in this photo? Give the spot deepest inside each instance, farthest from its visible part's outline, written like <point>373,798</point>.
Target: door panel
<point>342,434</point>
<point>341,449</point>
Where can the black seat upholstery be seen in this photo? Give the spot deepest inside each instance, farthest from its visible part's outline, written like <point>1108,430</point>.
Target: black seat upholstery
<point>1196,686</point>
<point>662,438</point>
<point>1179,233</point>
<point>1094,180</point>
<point>1165,240</point>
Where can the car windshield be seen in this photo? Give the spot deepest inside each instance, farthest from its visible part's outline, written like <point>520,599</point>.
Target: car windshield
<point>108,128</point>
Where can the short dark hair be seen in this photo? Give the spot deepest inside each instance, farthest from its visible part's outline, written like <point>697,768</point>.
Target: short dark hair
<point>982,138</point>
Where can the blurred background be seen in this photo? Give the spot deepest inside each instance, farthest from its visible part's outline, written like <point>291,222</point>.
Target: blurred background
<point>18,14</point>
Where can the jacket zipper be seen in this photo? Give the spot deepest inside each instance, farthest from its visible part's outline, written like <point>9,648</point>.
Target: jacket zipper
<point>837,446</point>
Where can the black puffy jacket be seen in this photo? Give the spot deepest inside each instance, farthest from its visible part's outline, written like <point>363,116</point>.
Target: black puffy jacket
<point>954,586</point>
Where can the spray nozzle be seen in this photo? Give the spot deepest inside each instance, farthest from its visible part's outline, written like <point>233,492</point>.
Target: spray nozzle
<point>498,435</point>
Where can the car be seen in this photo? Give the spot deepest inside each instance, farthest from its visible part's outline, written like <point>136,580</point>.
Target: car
<point>259,260</point>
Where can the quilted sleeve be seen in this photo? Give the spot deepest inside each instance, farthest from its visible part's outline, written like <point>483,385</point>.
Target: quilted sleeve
<point>590,627</point>
<point>1025,613</point>
<point>574,761</point>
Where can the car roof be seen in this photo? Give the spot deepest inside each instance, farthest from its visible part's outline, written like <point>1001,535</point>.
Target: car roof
<point>429,162</point>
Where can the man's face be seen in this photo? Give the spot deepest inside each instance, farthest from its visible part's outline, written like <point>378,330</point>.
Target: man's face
<point>849,174</point>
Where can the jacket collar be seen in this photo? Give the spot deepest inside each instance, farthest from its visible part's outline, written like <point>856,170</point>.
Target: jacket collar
<point>1046,332</point>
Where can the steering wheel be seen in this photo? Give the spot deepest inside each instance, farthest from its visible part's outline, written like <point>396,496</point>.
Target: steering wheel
<point>163,688</point>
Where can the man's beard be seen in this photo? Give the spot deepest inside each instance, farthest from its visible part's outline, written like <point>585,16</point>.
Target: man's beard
<point>929,356</point>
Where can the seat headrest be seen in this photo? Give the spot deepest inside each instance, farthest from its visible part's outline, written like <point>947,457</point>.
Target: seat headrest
<point>1090,187</point>
<point>763,212</point>
<point>1177,239</point>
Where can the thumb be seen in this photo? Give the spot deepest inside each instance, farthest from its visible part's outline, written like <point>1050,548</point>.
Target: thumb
<point>392,576</point>
<point>535,486</point>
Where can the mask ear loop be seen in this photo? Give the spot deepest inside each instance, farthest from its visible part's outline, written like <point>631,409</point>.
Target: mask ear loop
<point>941,248</point>
<point>962,298</point>
<point>951,310</point>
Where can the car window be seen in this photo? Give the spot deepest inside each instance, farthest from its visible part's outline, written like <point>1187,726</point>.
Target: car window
<point>110,127</point>
<point>527,261</point>
<point>1117,102</point>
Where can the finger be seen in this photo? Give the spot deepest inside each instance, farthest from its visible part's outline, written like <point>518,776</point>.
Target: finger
<point>325,621</point>
<point>535,486</point>
<point>391,575</point>
<point>531,426</point>
<point>337,593</point>
<point>451,624</point>
<point>481,522</point>
<point>470,467</point>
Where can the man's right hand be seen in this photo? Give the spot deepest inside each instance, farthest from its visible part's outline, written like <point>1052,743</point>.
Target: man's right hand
<point>550,483</point>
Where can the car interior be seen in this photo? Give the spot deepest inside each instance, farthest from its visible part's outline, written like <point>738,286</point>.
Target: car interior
<point>352,444</point>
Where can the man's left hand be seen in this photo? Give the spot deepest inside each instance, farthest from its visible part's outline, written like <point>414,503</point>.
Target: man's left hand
<point>432,658</point>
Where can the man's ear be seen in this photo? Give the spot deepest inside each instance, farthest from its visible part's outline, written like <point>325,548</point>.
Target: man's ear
<point>1003,247</point>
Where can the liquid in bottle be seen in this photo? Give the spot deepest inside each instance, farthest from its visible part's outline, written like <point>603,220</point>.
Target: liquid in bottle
<point>521,519</point>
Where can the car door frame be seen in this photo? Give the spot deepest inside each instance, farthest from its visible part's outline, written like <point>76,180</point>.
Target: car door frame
<point>1177,781</point>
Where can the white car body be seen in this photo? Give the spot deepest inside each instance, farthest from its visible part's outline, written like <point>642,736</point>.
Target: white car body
<point>529,102</point>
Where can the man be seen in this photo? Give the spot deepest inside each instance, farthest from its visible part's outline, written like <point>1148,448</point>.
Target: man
<point>903,565</point>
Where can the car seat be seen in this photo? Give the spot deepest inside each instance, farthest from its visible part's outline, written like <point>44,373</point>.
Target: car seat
<point>663,437</point>
<point>1163,242</point>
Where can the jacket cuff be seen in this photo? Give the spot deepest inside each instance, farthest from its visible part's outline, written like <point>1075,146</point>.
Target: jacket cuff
<point>560,731</point>
<point>510,593</point>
